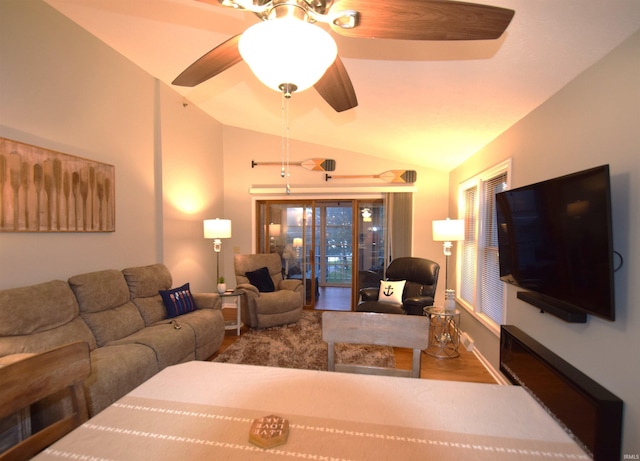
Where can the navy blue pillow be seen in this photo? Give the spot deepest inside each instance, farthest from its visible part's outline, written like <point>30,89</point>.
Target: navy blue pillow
<point>261,279</point>
<point>178,301</point>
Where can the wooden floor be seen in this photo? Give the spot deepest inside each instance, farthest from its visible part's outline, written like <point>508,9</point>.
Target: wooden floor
<point>466,367</point>
<point>333,299</point>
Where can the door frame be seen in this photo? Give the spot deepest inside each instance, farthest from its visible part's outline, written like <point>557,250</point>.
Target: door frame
<point>261,229</point>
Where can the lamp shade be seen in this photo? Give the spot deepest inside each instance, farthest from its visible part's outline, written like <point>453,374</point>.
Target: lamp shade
<point>217,228</point>
<point>448,230</point>
<point>287,51</point>
<point>274,230</point>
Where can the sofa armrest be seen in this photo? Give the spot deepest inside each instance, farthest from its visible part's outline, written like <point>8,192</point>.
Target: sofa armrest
<point>415,306</point>
<point>207,300</point>
<point>249,289</point>
<point>369,294</point>
<point>289,284</point>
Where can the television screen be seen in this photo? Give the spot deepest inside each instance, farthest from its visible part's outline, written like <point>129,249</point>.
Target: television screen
<point>555,239</point>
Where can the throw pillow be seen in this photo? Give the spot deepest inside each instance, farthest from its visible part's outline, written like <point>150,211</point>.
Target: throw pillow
<point>261,279</point>
<point>391,292</point>
<point>178,301</point>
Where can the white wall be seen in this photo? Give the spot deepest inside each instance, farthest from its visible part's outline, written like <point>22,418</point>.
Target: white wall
<point>192,190</point>
<point>62,89</point>
<point>594,120</point>
<point>243,146</point>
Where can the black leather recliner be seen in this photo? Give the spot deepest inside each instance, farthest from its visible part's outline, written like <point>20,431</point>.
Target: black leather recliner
<point>421,277</point>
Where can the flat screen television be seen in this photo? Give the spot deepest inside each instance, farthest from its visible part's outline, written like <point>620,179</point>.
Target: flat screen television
<point>555,240</point>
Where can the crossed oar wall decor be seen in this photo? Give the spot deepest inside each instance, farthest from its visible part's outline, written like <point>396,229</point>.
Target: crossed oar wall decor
<point>327,164</point>
<point>313,164</point>
<point>393,176</point>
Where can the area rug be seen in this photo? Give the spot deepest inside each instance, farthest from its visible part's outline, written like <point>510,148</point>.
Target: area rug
<point>300,345</point>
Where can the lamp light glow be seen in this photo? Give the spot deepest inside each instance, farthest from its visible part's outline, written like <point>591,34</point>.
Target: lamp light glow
<point>287,51</point>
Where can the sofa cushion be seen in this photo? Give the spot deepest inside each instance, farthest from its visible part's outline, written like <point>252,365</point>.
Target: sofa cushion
<point>170,345</point>
<point>145,284</point>
<point>250,262</point>
<point>99,291</point>
<point>113,324</point>
<point>103,298</point>
<point>40,317</point>
<point>382,308</point>
<point>261,279</point>
<point>178,301</point>
<point>116,370</point>
<point>152,309</point>
<point>278,308</point>
<point>145,281</point>
<point>206,325</point>
<point>35,308</point>
<point>74,331</point>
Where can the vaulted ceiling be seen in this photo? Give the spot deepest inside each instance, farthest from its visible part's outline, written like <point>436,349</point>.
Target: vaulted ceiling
<point>427,103</point>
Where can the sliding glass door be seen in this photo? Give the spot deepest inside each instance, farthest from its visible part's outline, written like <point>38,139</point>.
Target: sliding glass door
<point>370,258</point>
<point>286,228</point>
<point>333,246</point>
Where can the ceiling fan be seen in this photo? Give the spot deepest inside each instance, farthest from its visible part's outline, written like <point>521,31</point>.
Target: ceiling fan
<point>386,19</point>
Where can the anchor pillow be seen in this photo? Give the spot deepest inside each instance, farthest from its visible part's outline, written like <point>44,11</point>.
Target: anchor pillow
<point>391,292</point>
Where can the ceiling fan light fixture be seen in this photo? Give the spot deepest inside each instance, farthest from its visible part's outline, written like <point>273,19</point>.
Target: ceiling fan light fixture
<point>287,51</point>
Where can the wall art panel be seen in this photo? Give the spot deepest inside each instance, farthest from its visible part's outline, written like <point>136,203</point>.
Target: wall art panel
<point>46,191</point>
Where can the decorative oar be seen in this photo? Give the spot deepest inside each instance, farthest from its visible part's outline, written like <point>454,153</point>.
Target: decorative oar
<point>313,164</point>
<point>395,176</point>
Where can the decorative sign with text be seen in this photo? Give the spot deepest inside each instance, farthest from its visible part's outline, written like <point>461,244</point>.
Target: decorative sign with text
<point>269,431</point>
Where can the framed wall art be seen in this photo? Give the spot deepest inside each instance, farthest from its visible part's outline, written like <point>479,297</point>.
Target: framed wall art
<point>46,191</point>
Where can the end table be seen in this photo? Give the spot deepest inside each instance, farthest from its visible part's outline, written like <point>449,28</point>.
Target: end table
<point>444,332</point>
<point>230,324</point>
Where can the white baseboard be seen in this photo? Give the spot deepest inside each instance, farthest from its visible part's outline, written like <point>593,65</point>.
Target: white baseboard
<point>466,341</point>
<point>499,377</point>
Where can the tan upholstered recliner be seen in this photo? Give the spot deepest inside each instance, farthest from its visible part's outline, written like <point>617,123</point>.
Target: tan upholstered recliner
<point>270,300</point>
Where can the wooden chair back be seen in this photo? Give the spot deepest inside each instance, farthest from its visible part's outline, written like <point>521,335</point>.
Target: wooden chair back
<point>408,331</point>
<point>28,381</point>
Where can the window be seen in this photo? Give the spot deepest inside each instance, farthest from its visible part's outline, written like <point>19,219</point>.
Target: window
<point>480,288</point>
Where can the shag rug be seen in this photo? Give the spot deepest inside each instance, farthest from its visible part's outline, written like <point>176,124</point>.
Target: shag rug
<point>300,345</point>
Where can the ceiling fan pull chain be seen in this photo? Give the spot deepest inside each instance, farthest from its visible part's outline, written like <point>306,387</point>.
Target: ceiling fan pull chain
<point>282,134</point>
<point>286,112</point>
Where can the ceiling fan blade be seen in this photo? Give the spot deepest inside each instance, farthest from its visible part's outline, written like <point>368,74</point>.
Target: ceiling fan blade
<point>336,88</point>
<point>211,64</point>
<point>424,20</point>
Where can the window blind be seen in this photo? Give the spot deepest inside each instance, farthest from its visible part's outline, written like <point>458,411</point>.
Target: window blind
<point>492,291</point>
<point>468,270</point>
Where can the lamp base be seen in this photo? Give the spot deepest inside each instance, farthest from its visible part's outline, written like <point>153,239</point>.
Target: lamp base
<point>449,300</point>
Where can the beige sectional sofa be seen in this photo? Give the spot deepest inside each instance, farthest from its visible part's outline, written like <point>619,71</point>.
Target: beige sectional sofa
<point>121,315</point>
